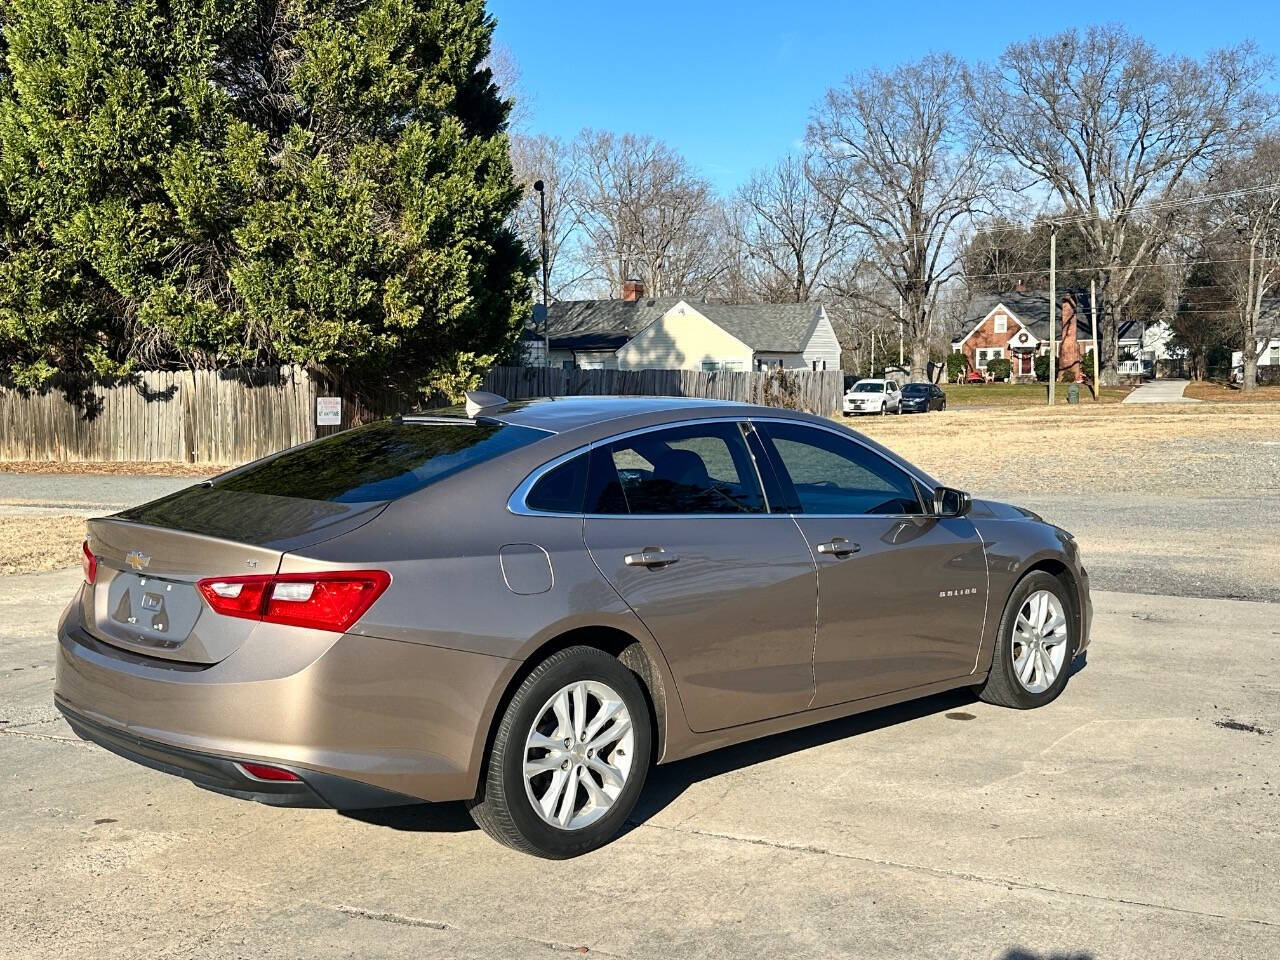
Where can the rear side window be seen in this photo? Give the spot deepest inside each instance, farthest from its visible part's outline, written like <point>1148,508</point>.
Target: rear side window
<point>561,489</point>
<point>700,468</point>
<point>382,461</point>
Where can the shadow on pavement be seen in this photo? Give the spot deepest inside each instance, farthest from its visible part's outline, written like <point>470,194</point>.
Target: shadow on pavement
<point>668,782</point>
<point>418,817</point>
<point>1017,953</point>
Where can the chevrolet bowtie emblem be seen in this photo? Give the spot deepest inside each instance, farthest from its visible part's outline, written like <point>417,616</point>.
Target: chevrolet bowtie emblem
<point>136,559</point>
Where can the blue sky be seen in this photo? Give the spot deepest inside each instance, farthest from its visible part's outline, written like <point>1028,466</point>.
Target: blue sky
<point>730,85</point>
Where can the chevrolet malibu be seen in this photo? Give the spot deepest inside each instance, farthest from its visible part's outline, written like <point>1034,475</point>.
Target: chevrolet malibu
<point>526,605</point>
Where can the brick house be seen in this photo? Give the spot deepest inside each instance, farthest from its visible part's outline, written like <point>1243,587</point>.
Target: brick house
<point>1015,325</point>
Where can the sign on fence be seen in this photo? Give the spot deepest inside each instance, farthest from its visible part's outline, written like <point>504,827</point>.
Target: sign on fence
<point>328,411</point>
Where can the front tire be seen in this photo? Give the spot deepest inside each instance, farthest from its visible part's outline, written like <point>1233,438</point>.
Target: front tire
<point>569,758</point>
<point>1037,639</point>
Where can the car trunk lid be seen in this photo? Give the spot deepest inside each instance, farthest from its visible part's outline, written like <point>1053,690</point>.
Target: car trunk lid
<point>144,598</point>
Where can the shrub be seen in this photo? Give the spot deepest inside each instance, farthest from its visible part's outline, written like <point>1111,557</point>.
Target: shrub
<point>999,368</point>
<point>1042,367</point>
<point>957,366</point>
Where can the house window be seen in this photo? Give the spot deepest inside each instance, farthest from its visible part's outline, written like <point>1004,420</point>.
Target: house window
<point>1001,323</point>
<point>988,354</point>
<point>715,366</point>
<point>819,365</point>
<point>1275,353</point>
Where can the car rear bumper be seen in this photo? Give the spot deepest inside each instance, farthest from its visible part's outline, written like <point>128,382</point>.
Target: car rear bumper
<point>363,721</point>
<point>225,775</point>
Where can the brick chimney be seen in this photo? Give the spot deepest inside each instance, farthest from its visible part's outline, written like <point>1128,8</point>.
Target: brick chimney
<point>632,290</point>
<point>1021,287</point>
<point>1069,349</point>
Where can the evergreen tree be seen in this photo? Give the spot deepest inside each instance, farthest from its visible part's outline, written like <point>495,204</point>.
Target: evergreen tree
<point>217,182</point>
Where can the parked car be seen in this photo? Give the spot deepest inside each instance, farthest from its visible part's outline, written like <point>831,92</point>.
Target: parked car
<point>922,397</point>
<point>524,606</point>
<point>873,396</point>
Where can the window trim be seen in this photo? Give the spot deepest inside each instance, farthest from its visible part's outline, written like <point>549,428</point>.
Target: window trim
<point>516,502</point>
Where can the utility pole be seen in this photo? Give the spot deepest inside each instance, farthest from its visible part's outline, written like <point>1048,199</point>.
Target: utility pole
<point>1053,309</point>
<point>1093,310</point>
<point>546,271</point>
<point>901,325</point>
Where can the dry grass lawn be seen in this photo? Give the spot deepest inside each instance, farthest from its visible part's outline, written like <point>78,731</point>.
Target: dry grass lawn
<point>1178,450</point>
<point>159,468</point>
<point>32,542</point>
<point>1221,393</point>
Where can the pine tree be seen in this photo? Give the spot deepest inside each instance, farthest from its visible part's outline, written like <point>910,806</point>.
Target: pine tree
<point>219,182</point>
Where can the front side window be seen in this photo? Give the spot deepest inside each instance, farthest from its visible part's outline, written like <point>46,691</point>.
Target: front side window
<point>699,468</point>
<point>830,474</point>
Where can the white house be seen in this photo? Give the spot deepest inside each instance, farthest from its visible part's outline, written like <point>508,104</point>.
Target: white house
<point>670,333</point>
<point>1268,354</point>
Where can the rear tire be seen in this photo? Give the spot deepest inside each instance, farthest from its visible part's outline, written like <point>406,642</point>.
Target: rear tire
<point>540,731</point>
<point>1030,665</point>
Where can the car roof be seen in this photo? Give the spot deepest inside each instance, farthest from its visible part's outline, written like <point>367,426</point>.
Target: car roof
<point>563,414</point>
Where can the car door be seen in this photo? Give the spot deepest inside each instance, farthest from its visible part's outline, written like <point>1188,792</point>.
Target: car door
<point>676,520</point>
<point>901,593</point>
<point>893,395</point>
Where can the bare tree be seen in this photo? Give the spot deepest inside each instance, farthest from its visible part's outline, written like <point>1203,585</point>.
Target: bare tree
<point>890,150</point>
<point>646,215</point>
<point>550,160</point>
<point>1247,241</point>
<point>501,63</point>
<point>1116,131</point>
<point>791,231</point>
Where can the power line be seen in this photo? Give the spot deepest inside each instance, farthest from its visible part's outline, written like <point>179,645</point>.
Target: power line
<point>1155,205</point>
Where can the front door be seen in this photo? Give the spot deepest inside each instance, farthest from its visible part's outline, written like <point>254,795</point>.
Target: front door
<point>676,522</point>
<point>901,593</point>
<point>1026,364</point>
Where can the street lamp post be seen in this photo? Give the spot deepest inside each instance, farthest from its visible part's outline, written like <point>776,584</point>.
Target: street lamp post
<point>546,270</point>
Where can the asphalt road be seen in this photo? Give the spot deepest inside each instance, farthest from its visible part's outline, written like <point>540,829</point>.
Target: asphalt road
<point>84,492</point>
<point>1133,818</point>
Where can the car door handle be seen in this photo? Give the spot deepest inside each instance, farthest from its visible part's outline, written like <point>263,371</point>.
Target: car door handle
<point>651,557</point>
<point>839,547</point>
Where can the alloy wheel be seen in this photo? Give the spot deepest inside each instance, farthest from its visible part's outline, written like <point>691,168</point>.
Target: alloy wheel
<point>578,754</point>
<point>1039,641</point>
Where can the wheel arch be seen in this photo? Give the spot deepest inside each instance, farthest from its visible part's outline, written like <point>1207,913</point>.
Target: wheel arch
<point>1061,571</point>
<point>628,649</point>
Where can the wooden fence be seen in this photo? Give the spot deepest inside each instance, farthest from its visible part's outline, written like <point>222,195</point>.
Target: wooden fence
<point>232,416</point>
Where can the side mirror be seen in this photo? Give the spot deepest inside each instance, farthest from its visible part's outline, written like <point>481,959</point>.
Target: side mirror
<point>950,502</point>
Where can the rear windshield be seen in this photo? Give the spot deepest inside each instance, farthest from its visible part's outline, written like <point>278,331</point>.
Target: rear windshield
<point>382,461</point>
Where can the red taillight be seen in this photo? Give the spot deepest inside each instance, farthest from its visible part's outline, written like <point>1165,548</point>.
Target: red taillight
<point>88,563</point>
<point>322,601</point>
<point>263,772</point>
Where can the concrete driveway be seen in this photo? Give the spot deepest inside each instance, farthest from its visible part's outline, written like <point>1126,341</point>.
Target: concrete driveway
<point>1135,817</point>
<point>1160,391</point>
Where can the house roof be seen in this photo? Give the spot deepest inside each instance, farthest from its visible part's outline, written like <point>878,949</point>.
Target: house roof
<point>769,327</point>
<point>1031,307</point>
<point>608,324</point>
<point>601,324</point>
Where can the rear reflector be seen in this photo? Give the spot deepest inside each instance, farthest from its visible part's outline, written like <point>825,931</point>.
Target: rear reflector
<point>88,563</point>
<point>263,772</point>
<point>321,601</point>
